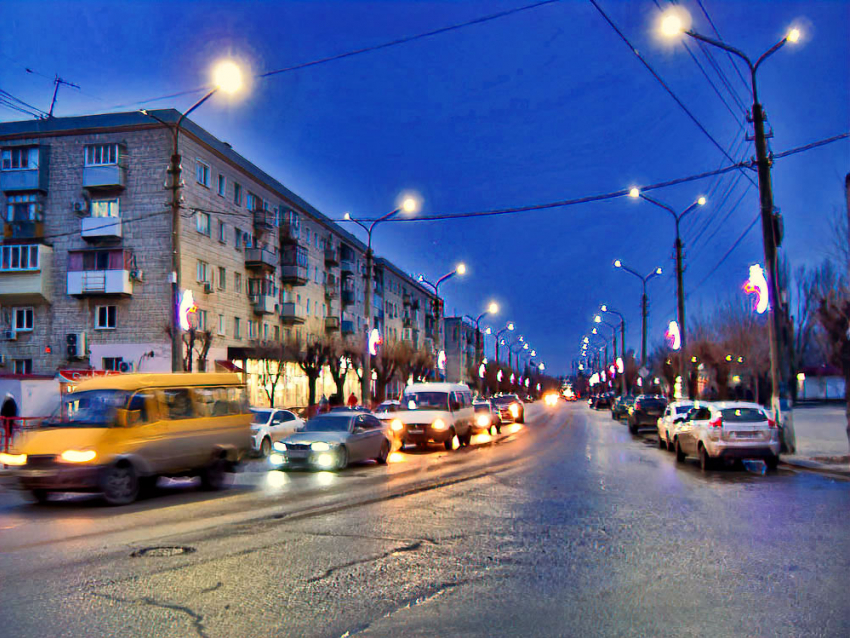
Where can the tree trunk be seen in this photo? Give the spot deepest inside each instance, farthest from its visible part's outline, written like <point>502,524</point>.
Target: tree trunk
<point>312,377</point>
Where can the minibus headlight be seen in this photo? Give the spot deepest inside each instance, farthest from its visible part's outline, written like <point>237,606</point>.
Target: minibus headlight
<point>13,459</point>
<point>77,456</point>
<point>439,425</point>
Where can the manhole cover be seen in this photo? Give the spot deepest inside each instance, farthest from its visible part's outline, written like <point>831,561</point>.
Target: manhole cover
<point>162,552</point>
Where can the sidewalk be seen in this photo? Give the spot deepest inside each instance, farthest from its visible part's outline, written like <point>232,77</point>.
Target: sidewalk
<point>821,439</point>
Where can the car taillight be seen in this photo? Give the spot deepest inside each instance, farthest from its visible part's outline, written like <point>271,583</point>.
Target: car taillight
<point>716,423</point>
<point>637,405</point>
<point>771,423</point>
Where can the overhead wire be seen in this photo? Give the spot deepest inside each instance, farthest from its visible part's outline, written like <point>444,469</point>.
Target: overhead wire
<point>720,38</point>
<point>9,97</point>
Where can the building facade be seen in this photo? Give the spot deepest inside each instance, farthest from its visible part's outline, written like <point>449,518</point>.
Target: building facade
<point>460,350</point>
<point>86,259</point>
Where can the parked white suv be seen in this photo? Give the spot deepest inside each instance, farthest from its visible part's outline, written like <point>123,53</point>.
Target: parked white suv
<point>727,431</point>
<point>674,414</point>
<point>270,425</point>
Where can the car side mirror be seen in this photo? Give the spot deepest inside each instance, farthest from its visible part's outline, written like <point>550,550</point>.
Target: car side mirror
<point>358,429</point>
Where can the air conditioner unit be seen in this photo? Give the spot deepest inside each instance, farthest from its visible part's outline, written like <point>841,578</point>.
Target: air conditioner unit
<point>137,275</point>
<point>76,345</point>
<point>81,207</point>
<point>125,366</point>
<point>10,335</point>
<point>208,287</point>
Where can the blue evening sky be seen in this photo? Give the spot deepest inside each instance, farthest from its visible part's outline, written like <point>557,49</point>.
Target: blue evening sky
<point>544,105</point>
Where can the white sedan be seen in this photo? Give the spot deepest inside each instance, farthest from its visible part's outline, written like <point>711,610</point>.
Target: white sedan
<point>270,425</point>
<point>674,414</point>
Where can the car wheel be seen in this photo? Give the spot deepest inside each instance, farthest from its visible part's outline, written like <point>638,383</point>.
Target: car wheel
<point>772,462</point>
<point>119,484</point>
<point>265,448</point>
<point>499,428</point>
<point>633,428</point>
<point>705,461</point>
<point>449,442</point>
<point>680,456</point>
<point>213,475</point>
<point>662,444</point>
<point>384,453</point>
<point>521,418</point>
<point>40,496</point>
<point>669,442</point>
<point>342,463</point>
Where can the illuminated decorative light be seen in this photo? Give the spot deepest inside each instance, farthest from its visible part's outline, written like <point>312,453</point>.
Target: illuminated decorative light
<point>499,376</point>
<point>484,361</point>
<point>375,340</point>
<point>757,284</point>
<point>640,382</point>
<point>674,338</point>
<point>801,376</point>
<point>441,360</point>
<point>187,306</point>
<point>621,367</point>
<point>513,378</point>
<point>602,376</point>
<point>526,383</point>
<point>481,370</point>
<point>612,370</point>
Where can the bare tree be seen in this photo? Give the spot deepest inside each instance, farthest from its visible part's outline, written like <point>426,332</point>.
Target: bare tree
<point>311,358</point>
<point>385,364</point>
<point>273,356</point>
<point>834,316</point>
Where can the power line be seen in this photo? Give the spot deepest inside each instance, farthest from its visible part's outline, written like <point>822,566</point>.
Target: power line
<point>348,54</point>
<point>747,230</point>
<point>807,147</point>
<point>9,96</point>
<point>719,37</point>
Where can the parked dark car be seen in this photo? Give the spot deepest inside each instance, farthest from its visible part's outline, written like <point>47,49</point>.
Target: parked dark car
<point>621,406</point>
<point>602,401</point>
<point>646,411</point>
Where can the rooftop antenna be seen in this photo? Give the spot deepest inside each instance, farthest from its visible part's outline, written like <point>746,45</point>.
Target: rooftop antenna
<point>56,82</point>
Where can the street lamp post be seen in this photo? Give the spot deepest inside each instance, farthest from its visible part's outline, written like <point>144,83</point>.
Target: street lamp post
<point>492,309</point>
<point>227,78</point>
<point>408,206</point>
<point>606,308</point>
<point>643,304</point>
<point>508,327</point>
<point>672,25</point>
<point>460,269</point>
<point>680,286</point>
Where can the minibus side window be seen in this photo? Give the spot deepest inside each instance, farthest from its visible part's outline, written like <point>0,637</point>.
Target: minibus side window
<point>177,403</point>
<point>221,402</point>
<point>238,400</point>
<point>205,401</point>
<point>137,409</point>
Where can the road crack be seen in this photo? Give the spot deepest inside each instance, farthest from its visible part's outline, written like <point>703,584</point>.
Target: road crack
<point>196,618</point>
<point>412,547</point>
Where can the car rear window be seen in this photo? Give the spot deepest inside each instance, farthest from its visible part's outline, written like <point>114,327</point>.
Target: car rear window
<point>653,403</point>
<point>683,409</point>
<point>743,415</point>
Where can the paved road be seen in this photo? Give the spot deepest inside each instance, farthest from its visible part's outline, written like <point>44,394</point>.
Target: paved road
<point>568,527</point>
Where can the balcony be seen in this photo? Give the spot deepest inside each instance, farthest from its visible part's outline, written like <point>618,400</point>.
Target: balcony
<point>405,299</point>
<point>347,297</point>
<point>32,173</point>
<point>23,229</point>
<point>291,313</point>
<point>97,228</point>
<point>331,290</point>
<point>25,274</point>
<point>347,327</point>
<point>260,258</point>
<point>295,275</point>
<point>264,304</point>
<point>99,282</point>
<point>346,265</point>
<point>331,257</point>
<point>331,324</point>
<point>290,233</point>
<point>263,221</point>
<point>105,176</point>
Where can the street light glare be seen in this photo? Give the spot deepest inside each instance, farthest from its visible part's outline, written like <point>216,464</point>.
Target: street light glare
<point>603,308</point>
<point>618,264</point>
<point>510,326</point>
<point>409,205</point>
<point>598,319</point>
<point>701,201</point>
<point>493,308</point>
<point>634,192</point>
<point>658,270</point>
<point>227,76</point>
<point>793,35</point>
<point>671,25</point>
<point>461,269</point>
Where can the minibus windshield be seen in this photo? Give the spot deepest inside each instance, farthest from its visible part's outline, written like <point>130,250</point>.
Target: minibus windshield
<point>92,408</point>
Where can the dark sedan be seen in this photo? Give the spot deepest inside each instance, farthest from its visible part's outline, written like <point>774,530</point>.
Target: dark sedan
<point>646,411</point>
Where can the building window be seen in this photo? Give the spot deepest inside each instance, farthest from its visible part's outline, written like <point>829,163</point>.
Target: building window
<point>222,278</point>
<point>221,325</point>
<point>277,217</point>
<point>202,223</point>
<point>308,307</point>
<point>101,154</point>
<point>222,232</point>
<point>23,319</point>
<point>202,270</point>
<point>112,363</point>
<point>23,366</point>
<point>202,173</point>
<point>265,331</point>
<point>104,207</point>
<point>105,317</point>
<point>201,318</point>
<point>308,237</point>
<point>237,328</point>
<point>237,282</point>
<point>15,159</point>
<point>237,238</point>
<point>222,185</point>
<point>250,201</point>
<point>19,258</point>
<point>277,333</point>
<point>22,208</point>
<point>237,193</point>
<point>252,329</point>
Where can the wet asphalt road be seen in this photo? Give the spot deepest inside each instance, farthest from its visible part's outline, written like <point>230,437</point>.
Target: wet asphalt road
<point>568,527</point>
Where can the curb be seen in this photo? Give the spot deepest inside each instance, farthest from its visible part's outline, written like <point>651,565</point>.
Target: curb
<point>815,466</point>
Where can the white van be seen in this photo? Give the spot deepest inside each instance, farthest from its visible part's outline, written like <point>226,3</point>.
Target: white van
<point>436,412</point>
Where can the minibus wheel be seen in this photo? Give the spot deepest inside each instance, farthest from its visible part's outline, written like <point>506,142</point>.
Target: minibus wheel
<point>119,483</point>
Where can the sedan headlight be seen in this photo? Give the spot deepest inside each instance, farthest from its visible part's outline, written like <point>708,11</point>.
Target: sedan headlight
<point>397,425</point>
<point>13,459</point>
<point>279,446</point>
<point>514,410</point>
<point>320,446</point>
<point>483,420</point>
<point>77,456</point>
<point>438,424</point>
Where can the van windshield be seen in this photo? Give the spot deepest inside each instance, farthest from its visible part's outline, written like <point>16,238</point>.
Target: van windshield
<point>93,408</point>
<point>426,401</point>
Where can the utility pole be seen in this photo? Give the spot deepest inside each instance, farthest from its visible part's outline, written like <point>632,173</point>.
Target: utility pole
<point>175,171</point>
<point>643,315</point>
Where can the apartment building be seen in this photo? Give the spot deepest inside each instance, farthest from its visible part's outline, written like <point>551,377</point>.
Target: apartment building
<point>86,264</point>
<point>460,349</point>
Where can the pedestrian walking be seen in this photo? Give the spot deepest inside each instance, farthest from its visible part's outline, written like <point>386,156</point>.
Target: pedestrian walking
<point>352,400</point>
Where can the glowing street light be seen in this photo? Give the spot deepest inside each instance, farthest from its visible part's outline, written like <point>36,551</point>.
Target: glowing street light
<point>227,76</point>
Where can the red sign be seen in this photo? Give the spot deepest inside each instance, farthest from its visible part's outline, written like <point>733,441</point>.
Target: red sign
<point>75,376</point>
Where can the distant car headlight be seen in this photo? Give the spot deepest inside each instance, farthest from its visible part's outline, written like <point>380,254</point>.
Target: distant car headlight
<point>514,410</point>
<point>13,459</point>
<point>320,446</point>
<point>397,425</point>
<point>483,420</point>
<point>279,446</point>
<point>438,424</point>
<point>77,456</point>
